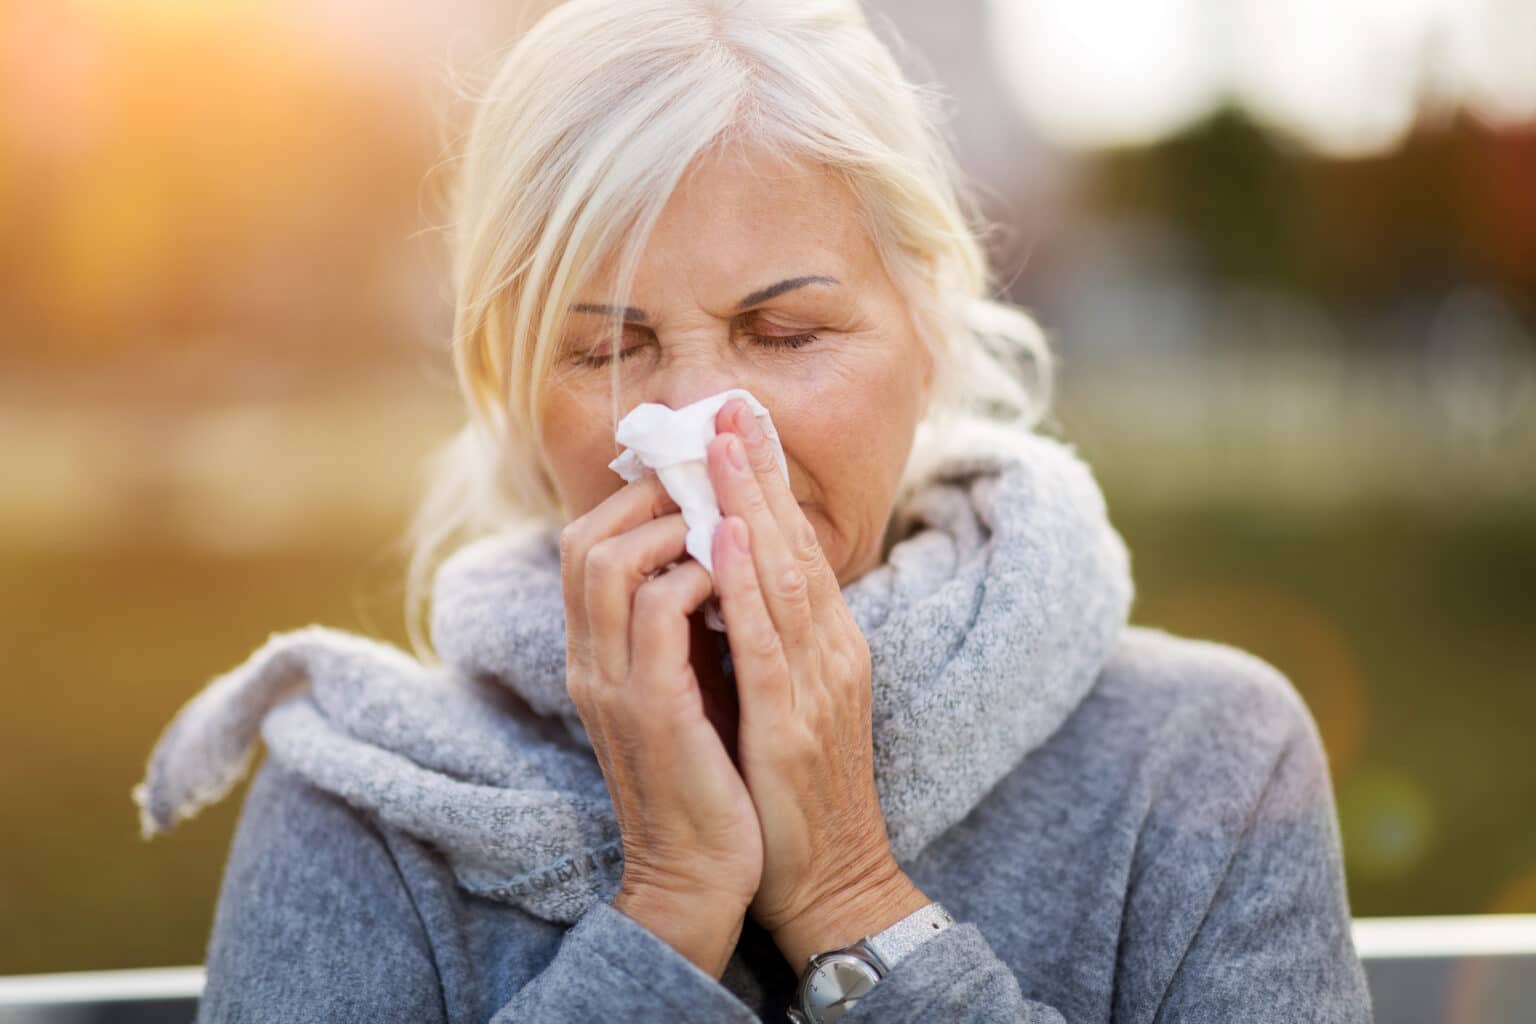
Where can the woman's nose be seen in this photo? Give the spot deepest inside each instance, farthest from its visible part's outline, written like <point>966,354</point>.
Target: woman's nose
<point>680,382</point>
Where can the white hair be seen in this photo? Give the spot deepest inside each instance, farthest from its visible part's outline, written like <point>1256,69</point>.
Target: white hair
<point>589,123</point>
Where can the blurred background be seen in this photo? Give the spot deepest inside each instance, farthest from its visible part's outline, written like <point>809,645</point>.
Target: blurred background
<point>1285,250</point>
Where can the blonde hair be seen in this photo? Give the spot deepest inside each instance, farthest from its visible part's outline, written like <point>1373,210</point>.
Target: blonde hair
<point>588,125</point>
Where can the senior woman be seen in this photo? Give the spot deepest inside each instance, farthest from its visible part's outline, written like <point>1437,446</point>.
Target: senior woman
<point>926,772</point>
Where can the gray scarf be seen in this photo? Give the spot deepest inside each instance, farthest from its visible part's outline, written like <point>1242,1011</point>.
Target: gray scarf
<point>1003,594</point>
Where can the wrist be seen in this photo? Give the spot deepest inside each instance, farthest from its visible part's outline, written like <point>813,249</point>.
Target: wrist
<point>857,911</point>
<point>704,931</point>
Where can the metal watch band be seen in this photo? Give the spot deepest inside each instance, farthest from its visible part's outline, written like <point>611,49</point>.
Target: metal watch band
<point>901,938</point>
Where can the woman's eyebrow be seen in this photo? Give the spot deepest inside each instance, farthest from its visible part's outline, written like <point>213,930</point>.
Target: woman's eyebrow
<point>630,312</point>
<point>640,316</point>
<point>764,294</point>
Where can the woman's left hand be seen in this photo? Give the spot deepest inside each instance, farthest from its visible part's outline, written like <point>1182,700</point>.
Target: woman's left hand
<point>805,746</point>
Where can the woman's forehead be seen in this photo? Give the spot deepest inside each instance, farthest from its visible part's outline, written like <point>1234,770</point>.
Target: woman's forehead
<point>734,230</point>
<point>761,189</point>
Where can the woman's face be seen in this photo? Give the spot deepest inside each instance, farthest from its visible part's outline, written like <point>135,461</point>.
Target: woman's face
<point>758,276</point>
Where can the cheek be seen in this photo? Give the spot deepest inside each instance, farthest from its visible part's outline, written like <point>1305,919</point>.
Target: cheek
<point>578,447</point>
<point>865,388</point>
<point>846,424</point>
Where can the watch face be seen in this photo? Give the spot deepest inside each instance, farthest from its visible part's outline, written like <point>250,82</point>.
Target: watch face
<point>834,985</point>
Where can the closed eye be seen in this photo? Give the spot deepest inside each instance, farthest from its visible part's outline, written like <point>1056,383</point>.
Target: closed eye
<point>778,341</point>
<point>785,340</point>
<point>595,358</point>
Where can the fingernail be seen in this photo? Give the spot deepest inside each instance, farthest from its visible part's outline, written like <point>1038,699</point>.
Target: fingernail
<point>736,453</point>
<point>739,535</point>
<point>747,422</point>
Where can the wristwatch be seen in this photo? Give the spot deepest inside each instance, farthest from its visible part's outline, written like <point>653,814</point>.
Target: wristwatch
<point>837,979</point>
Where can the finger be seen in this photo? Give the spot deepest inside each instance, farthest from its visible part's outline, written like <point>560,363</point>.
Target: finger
<point>757,650</point>
<point>616,567</point>
<point>660,636</point>
<point>772,476</point>
<point>624,509</point>
<point>782,581</point>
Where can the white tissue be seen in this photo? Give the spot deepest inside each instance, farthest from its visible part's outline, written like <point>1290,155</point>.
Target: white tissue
<point>673,444</point>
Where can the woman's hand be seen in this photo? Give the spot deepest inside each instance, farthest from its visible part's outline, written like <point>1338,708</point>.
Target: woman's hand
<point>693,850</point>
<point>805,747</point>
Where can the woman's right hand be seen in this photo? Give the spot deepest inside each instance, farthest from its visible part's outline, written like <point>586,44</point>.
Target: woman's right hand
<point>693,848</point>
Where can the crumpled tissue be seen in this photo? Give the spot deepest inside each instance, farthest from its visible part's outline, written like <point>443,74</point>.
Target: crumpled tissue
<point>673,443</point>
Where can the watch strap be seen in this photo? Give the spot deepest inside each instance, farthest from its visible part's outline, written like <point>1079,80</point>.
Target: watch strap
<point>901,938</point>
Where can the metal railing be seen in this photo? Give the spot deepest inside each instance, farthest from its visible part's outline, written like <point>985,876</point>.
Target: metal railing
<point>1422,970</point>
